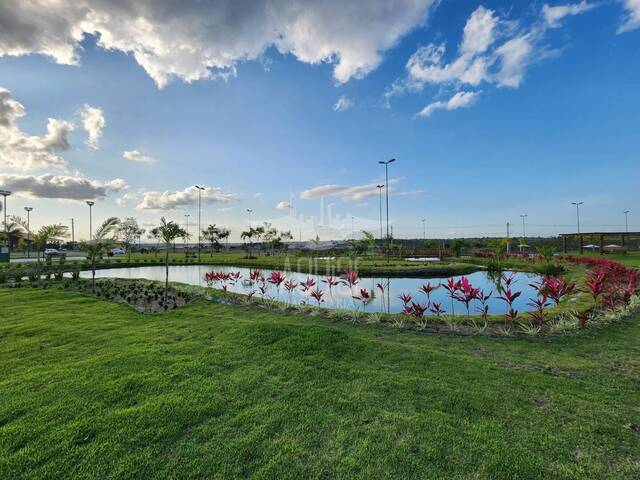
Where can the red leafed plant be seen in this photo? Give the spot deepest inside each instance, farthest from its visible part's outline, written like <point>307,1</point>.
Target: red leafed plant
<point>317,294</point>
<point>428,289</point>
<point>365,297</point>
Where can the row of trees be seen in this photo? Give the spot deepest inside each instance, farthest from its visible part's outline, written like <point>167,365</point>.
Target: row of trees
<point>266,235</point>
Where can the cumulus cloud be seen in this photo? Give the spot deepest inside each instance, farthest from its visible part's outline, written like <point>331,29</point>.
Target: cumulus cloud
<point>193,40</point>
<point>553,15</point>
<point>93,122</point>
<point>170,200</point>
<point>25,152</point>
<point>632,18</point>
<point>74,187</point>
<point>137,156</point>
<point>459,100</point>
<point>283,206</point>
<point>355,193</point>
<point>343,103</point>
<point>493,50</point>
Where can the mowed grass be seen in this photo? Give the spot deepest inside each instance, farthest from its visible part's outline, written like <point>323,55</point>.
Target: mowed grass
<point>92,389</point>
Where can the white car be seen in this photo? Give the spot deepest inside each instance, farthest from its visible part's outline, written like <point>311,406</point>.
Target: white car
<point>117,251</point>
<point>51,251</point>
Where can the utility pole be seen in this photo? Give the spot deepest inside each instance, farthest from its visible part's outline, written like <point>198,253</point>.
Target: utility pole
<point>424,229</point>
<point>249,211</point>
<point>186,238</point>
<point>199,214</point>
<point>524,234</point>
<point>73,234</point>
<point>508,240</point>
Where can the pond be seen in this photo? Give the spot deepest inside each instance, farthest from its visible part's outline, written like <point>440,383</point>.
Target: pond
<point>340,296</point>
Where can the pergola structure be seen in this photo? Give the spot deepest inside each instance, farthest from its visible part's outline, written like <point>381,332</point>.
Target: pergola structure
<point>600,235</point>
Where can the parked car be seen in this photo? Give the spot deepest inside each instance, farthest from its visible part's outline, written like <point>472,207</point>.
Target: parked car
<point>51,252</point>
<point>117,251</point>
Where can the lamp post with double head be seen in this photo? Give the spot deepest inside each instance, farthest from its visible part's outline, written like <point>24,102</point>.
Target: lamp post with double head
<point>380,187</point>
<point>577,204</point>
<point>5,194</point>
<point>626,220</point>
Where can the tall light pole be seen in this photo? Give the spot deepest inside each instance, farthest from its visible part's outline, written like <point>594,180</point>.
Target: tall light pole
<point>353,232</point>
<point>524,233</point>
<point>380,187</point>
<point>199,214</point>
<point>386,187</point>
<point>626,220</point>
<point>28,210</point>
<point>249,211</point>
<point>186,229</point>
<point>577,204</point>
<point>424,229</point>
<point>91,204</point>
<point>5,194</point>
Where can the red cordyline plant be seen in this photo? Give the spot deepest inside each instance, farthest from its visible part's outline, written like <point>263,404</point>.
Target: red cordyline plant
<point>308,284</point>
<point>427,289</point>
<point>350,279</point>
<point>276,278</point>
<point>483,298</point>
<point>382,287</point>
<point>539,303</point>
<point>406,299</point>
<point>290,286</point>
<point>452,287</point>
<point>436,309</point>
<point>596,283</point>
<point>509,296</point>
<point>365,297</point>
<point>317,294</point>
<point>466,293</point>
<point>556,288</point>
<point>331,282</point>
<point>418,309</point>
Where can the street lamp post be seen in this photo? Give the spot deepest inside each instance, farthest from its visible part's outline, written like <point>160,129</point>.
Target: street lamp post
<point>353,232</point>
<point>380,187</point>
<point>249,211</point>
<point>577,204</point>
<point>5,194</point>
<point>199,216</point>
<point>424,229</point>
<point>186,229</point>
<point>28,210</point>
<point>626,220</point>
<point>524,233</point>
<point>386,187</point>
<point>91,204</point>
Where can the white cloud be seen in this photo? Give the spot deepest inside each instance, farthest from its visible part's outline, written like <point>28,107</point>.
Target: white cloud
<point>137,156</point>
<point>632,19</point>
<point>74,187</point>
<point>283,206</point>
<point>170,200</point>
<point>25,152</point>
<point>553,15</point>
<point>195,40</point>
<point>493,50</point>
<point>343,103</point>
<point>459,100</point>
<point>93,122</point>
<point>355,193</point>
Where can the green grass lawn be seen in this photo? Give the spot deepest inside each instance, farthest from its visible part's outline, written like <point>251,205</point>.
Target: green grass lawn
<point>92,389</point>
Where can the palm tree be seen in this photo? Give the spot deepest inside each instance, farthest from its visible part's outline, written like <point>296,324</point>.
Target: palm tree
<point>102,240</point>
<point>169,232</point>
<point>46,234</point>
<point>248,235</point>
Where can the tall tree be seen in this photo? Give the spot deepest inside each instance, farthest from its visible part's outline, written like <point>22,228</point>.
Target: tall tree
<point>168,233</point>
<point>103,239</point>
<point>129,231</point>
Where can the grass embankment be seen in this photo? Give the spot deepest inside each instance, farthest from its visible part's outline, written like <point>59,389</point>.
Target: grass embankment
<point>94,389</point>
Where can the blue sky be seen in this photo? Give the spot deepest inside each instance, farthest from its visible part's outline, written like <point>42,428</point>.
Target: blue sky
<point>560,125</point>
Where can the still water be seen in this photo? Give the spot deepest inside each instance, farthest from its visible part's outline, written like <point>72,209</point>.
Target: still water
<point>340,296</point>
